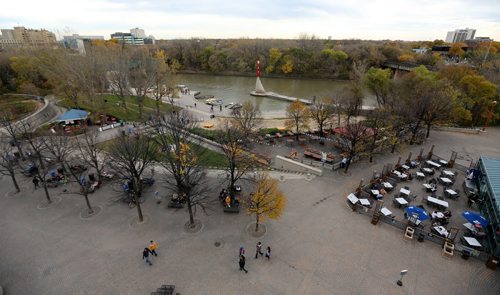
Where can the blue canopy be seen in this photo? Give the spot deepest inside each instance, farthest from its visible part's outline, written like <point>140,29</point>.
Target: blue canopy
<point>418,212</point>
<point>73,115</point>
<point>475,218</point>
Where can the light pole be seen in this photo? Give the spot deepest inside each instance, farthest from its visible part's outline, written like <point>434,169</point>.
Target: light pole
<point>400,281</point>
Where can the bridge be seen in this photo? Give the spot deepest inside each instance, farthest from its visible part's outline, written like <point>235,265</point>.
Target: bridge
<point>403,66</point>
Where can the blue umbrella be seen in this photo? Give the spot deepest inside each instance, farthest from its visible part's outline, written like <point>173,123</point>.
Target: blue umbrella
<point>475,218</point>
<point>418,212</point>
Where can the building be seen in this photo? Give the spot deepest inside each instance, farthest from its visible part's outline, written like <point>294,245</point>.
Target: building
<point>421,50</point>
<point>460,35</point>
<point>138,33</point>
<point>489,190</point>
<point>77,42</point>
<point>22,37</point>
<point>127,39</point>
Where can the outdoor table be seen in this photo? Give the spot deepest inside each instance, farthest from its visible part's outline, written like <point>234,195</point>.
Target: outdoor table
<point>472,242</point>
<point>427,186</point>
<point>441,230</point>
<point>443,162</point>
<point>404,191</point>
<point>420,175</point>
<point>434,164</point>
<point>290,133</point>
<point>365,202</point>
<point>445,180</point>
<point>448,173</point>
<point>400,175</point>
<point>405,167</point>
<point>427,170</point>
<point>385,211</point>
<point>451,193</point>
<point>469,226</point>
<point>278,135</point>
<point>352,198</point>
<point>387,185</point>
<point>401,202</point>
<point>438,202</point>
<point>375,192</point>
<point>437,215</point>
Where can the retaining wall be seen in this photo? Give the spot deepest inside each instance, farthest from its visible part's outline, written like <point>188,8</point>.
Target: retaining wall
<point>283,163</point>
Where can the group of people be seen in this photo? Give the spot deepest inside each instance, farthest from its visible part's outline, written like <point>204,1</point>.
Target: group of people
<point>258,252</point>
<point>226,199</point>
<point>151,249</point>
<point>441,218</point>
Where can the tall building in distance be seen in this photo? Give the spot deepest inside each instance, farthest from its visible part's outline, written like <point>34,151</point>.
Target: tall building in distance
<point>138,33</point>
<point>127,38</point>
<point>22,37</point>
<point>460,35</point>
<point>77,42</point>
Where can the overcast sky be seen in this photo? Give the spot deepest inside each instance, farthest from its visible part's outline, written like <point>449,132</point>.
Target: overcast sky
<point>166,19</point>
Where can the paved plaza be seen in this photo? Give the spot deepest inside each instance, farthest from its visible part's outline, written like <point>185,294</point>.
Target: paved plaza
<point>319,246</point>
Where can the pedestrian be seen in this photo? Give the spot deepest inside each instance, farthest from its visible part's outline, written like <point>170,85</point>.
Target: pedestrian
<point>36,182</point>
<point>211,108</point>
<point>220,107</point>
<point>242,250</point>
<point>242,263</point>
<point>258,250</point>
<point>195,105</point>
<point>268,252</point>
<point>145,255</point>
<point>152,247</point>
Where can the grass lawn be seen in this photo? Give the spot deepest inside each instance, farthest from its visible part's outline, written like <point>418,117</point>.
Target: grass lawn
<point>111,105</point>
<point>17,106</point>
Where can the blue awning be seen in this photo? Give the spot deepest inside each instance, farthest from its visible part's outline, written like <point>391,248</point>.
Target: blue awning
<point>73,115</point>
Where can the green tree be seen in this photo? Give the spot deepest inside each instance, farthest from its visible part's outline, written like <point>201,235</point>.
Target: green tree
<point>379,82</point>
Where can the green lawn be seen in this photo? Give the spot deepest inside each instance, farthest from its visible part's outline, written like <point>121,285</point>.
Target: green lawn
<point>17,106</point>
<point>111,105</point>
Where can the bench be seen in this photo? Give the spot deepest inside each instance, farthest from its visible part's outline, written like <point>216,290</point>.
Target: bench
<point>232,209</point>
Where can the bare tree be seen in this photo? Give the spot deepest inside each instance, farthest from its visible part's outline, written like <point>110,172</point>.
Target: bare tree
<point>239,161</point>
<point>181,158</point>
<point>353,137</point>
<point>13,130</point>
<point>321,112</point>
<point>130,156</point>
<point>377,120</point>
<point>92,153</point>
<point>247,118</point>
<point>163,84</point>
<point>142,75</point>
<point>118,76</point>
<point>353,100</point>
<point>8,163</point>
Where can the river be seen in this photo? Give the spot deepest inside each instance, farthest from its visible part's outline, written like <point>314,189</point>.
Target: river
<point>237,89</point>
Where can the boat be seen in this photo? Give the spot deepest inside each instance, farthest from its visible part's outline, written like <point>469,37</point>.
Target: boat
<point>214,102</point>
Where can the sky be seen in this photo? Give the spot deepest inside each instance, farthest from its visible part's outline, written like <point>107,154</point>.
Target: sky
<point>346,19</point>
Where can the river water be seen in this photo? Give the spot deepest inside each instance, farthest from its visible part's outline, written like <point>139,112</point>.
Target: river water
<point>237,89</point>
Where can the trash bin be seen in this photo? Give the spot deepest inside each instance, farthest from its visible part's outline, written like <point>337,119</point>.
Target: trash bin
<point>492,262</point>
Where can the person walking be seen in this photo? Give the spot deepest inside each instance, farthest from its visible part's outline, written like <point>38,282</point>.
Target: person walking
<point>145,255</point>
<point>220,108</point>
<point>242,250</point>
<point>242,263</point>
<point>268,252</point>
<point>36,182</point>
<point>152,247</point>
<point>258,250</point>
<point>195,105</point>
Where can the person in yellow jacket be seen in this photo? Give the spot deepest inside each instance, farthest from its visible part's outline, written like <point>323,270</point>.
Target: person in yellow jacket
<point>152,247</point>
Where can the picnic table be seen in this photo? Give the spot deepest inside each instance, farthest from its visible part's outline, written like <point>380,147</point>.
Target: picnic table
<point>401,176</point>
<point>365,202</point>
<point>427,171</point>
<point>445,180</point>
<point>420,175</point>
<point>472,242</point>
<point>441,230</point>
<point>387,185</point>
<point>405,167</point>
<point>385,211</point>
<point>404,191</point>
<point>437,202</point>
<point>290,133</point>
<point>433,164</point>
<point>451,194</point>
<point>352,198</point>
<point>448,173</point>
<point>400,202</point>
<point>443,162</point>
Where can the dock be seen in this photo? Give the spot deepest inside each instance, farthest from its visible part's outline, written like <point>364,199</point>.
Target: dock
<point>280,96</point>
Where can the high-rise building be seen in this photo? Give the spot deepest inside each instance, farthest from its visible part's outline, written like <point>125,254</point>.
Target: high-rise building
<point>22,37</point>
<point>138,33</point>
<point>460,35</point>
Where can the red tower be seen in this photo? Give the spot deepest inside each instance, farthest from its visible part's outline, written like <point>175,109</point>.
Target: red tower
<point>258,68</point>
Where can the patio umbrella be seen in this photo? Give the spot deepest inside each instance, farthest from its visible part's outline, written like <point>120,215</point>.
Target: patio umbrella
<point>475,218</point>
<point>418,212</point>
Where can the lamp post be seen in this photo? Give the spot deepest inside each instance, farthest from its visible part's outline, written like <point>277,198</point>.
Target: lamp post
<point>403,273</point>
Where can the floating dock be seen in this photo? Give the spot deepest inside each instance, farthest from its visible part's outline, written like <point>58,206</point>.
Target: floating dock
<point>279,96</point>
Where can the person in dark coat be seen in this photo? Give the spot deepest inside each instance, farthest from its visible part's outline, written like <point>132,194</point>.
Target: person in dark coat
<point>145,255</point>
<point>36,182</point>
<point>268,253</point>
<point>242,263</point>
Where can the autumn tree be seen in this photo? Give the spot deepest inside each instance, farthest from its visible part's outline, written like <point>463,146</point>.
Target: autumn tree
<point>130,156</point>
<point>353,139</point>
<point>298,116</point>
<point>180,157</point>
<point>162,85</point>
<point>322,112</point>
<point>353,100</point>
<point>456,49</point>
<point>477,97</point>
<point>268,201</point>
<point>247,118</point>
<point>90,152</point>
<point>377,121</point>
<point>13,130</point>
<point>379,82</point>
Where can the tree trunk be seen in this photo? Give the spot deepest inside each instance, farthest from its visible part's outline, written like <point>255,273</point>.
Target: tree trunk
<point>190,210</point>
<point>139,210</point>
<point>86,196</point>
<point>46,192</point>
<point>428,130</point>
<point>158,107</point>
<point>13,176</point>
<point>256,222</point>
<point>321,129</point>
<point>297,132</point>
<point>18,146</point>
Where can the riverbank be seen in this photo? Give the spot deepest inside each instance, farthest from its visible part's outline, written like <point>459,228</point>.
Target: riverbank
<point>252,74</point>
